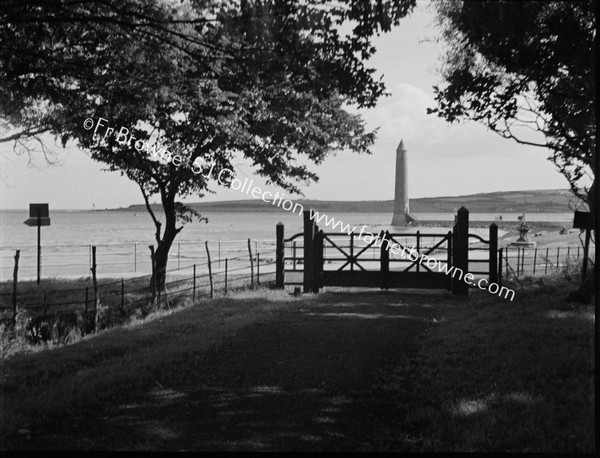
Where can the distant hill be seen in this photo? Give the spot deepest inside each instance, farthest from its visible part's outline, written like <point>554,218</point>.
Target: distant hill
<point>539,201</point>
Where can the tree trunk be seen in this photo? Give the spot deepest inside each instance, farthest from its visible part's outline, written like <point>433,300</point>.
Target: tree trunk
<point>161,256</point>
<point>586,291</point>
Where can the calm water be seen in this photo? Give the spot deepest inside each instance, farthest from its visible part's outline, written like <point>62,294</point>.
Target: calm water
<point>106,227</point>
<point>122,238</point>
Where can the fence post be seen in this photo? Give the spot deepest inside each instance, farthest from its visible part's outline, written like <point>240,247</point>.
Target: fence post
<point>461,251</point>
<point>384,260</point>
<point>226,276</point>
<point>194,285</point>
<point>257,268</point>
<point>501,252</point>
<point>534,260</point>
<point>493,253</point>
<point>96,300</point>
<point>279,256</point>
<point>557,257</point>
<point>547,260</point>
<point>309,238</point>
<point>522,254</point>
<point>251,264</point>
<point>15,282</point>
<point>449,257</point>
<point>122,296</point>
<point>210,278</point>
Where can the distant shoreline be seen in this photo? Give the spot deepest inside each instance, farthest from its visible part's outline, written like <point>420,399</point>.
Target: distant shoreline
<point>557,201</point>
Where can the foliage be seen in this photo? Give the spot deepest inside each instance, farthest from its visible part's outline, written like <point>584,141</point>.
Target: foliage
<point>525,66</point>
<point>208,80</point>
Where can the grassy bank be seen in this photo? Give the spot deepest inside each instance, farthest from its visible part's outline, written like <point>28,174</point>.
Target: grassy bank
<point>46,385</point>
<point>486,374</point>
<point>499,376</point>
<point>61,311</point>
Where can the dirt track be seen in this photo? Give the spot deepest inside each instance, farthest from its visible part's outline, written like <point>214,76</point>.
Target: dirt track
<point>303,381</point>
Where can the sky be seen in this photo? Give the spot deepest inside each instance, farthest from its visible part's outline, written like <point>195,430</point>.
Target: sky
<point>443,159</point>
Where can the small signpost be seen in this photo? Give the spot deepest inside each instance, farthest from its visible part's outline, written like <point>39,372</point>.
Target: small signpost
<point>583,220</point>
<point>39,216</point>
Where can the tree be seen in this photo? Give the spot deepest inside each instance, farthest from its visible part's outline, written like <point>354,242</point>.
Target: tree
<point>527,71</point>
<point>202,82</point>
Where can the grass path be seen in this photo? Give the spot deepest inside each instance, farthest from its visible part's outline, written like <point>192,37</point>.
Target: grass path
<point>299,379</point>
<point>352,370</point>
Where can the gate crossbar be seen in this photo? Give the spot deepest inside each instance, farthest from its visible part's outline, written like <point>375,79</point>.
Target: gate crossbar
<point>418,260</point>
<point>351,259</point>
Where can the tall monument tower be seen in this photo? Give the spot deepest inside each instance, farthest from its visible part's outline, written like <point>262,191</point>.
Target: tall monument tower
<point>401,212</point>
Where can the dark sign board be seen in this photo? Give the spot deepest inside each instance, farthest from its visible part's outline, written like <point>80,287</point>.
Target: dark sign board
<point>34,222</point>
<point>582,220</point>
<point>38,213</point>
<point>40,210</point>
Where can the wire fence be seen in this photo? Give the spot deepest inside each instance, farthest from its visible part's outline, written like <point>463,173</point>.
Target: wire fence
<point>100,302</point>
<point>520,261</point>
<point>130,259</point>
<point>112,300</point>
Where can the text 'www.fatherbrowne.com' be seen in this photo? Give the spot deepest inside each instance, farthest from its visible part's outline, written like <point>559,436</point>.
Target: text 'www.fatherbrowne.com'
<point>410,253</point>
<point>124,137</point>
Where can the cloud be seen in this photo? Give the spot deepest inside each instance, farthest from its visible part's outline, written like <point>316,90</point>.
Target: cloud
<point>403,115</point>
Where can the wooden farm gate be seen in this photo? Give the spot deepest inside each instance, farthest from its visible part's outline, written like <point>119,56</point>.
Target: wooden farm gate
<point>341,259</point>
<point>344,261</point>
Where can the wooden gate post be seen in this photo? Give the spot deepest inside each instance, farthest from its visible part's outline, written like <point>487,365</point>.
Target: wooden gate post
<point>309,264</point>
<point>279,256</point>
<point>384,258</point>
<point>460,257</point>
<point>318,259</point>
<point>493,253</point>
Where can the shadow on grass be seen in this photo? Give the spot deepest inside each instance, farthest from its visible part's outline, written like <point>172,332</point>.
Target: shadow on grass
<point>495,376</point>
<point>302,381</point>
<point>342,370</point>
